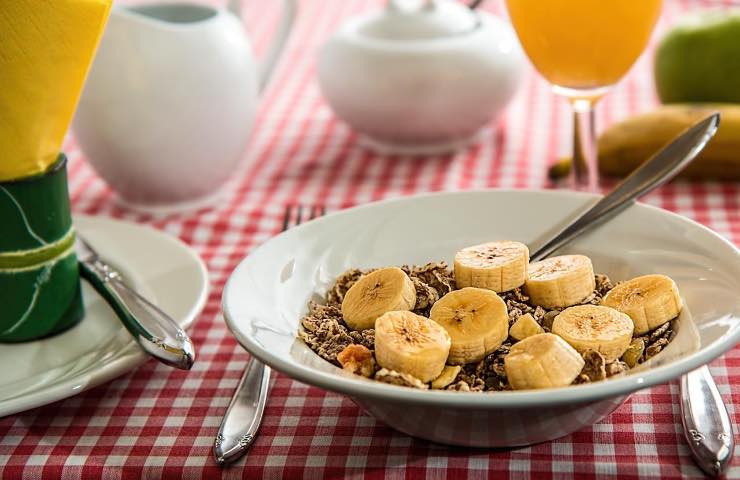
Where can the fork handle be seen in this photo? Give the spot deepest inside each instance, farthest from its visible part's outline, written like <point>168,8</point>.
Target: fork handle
<point>244,415</point>
<point>706,424</point>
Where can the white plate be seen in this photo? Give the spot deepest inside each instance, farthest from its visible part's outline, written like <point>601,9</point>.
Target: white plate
<point>99,348</point>
<point>266,296</point>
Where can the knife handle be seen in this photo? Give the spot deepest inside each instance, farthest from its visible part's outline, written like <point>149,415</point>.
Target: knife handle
<point>156,332</point>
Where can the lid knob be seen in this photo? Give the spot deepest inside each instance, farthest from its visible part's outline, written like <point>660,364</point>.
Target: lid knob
<point>420,20</point>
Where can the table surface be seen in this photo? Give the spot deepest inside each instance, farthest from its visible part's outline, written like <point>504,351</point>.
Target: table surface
<point>155,422</point>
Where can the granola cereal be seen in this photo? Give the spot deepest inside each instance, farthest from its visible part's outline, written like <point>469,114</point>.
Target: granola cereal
<point>357,359</point>
<point>435,274</point>
<point>396,378</point>
<point>489,373</point>
<point>597,368</point>
<point>426,295</point>
<point>656,340</point>
<point>336,293</point>
<point>593,370</point>
<point>603,284</point>
<point>326,333</point>
<point>615,368</point>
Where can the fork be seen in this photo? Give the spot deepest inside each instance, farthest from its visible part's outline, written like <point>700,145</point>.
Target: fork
<point>243,417</point>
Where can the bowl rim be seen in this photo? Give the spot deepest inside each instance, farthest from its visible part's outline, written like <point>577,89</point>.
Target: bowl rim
<point>365,388</point>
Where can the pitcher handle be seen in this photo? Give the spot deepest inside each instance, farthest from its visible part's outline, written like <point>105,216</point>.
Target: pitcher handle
<point>269,60</point>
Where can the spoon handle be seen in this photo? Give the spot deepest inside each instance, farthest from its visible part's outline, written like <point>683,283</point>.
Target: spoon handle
<point>656,171</point>
<point>706,424</point>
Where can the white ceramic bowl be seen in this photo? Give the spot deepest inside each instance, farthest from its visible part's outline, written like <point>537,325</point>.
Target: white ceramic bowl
<point>266,296</point>
<point>420,96</point>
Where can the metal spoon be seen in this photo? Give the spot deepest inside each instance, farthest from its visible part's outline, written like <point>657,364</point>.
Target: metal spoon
<point>656,171</point>
<point>707,426</point>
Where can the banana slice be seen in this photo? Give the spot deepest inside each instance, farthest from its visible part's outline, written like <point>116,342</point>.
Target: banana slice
<point>542,361</point>
<point>476,320</point>
<point>498,266</point>
<point>384,290</point>
<point>448,375</point>
<point>650,301</point>
<point>525,326</point>
<point>559,282</point>
<point>412,344</point>
<point>634,352</point>
<point>593,327</point>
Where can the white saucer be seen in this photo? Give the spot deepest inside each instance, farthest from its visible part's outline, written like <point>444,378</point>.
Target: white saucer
<point>99,348</point>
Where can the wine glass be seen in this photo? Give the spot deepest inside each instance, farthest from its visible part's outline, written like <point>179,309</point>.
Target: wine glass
<point>583,47</point>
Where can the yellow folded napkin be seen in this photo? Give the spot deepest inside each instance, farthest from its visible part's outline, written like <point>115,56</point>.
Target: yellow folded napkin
<point>46,48</point>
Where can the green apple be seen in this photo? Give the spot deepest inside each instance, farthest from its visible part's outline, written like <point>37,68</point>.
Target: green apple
<point>698,60</point>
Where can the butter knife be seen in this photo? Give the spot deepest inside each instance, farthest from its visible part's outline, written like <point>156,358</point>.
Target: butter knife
<point>155,331</point>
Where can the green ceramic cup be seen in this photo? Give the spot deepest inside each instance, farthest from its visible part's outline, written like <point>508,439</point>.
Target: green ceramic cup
<point>39,278</point>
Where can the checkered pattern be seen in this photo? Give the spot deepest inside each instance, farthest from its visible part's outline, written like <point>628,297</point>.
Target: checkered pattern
<point>156,422</point>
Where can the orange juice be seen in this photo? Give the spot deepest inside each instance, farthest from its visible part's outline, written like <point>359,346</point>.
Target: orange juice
<point>583,44</point>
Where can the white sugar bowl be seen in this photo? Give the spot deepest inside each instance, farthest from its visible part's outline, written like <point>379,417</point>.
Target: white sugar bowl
<point>420,77</point>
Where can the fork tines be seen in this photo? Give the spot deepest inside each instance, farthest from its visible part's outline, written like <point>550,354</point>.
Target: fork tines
<point>298,214</point>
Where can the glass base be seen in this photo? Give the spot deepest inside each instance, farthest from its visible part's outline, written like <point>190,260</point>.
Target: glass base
<point>590,94</point>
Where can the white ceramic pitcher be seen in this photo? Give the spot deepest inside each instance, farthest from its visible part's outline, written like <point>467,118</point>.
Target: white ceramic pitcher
<point>170,100</point>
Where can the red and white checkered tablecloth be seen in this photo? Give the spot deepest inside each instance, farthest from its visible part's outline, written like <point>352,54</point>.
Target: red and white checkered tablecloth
<point>156,422</point>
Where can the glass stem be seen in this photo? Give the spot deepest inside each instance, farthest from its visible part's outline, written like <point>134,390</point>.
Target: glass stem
<point>585,172</point>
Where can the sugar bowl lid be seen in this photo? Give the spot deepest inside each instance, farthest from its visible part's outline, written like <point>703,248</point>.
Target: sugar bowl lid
<point>419,20</point>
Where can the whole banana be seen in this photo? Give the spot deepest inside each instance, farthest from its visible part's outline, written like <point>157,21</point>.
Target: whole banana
<point>626,144</point>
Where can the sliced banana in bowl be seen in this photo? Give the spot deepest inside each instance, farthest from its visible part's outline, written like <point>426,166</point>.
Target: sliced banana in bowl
<point>476,320</point>
<point>591,327</point>
<point>649,300</point>
<point>559,282</point>
<point>411,344</point>
<point>542,361</point>
<point>525,326</point>
<point>448,375</point>
<point>383,290</point>
<point>498,266</point>
<point>471,326</point>
<point>548,324</point>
